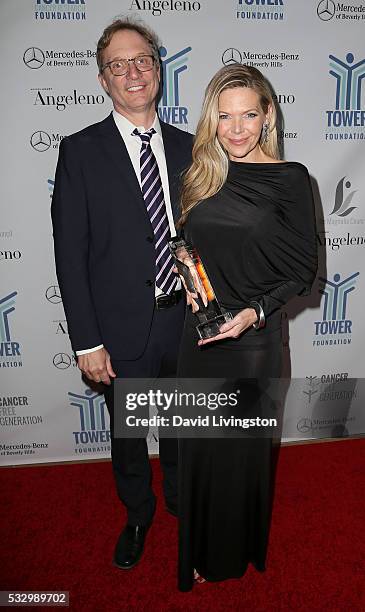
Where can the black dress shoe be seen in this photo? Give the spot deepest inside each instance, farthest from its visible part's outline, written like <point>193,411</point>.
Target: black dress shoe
<point>129,548</point>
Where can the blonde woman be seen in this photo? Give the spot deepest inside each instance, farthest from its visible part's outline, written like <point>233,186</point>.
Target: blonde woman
<point>250,216</point>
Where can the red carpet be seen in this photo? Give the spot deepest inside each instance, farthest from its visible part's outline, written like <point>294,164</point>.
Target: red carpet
<point>59,525</point>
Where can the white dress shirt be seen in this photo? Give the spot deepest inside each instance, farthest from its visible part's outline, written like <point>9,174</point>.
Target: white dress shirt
<point>133,146</point>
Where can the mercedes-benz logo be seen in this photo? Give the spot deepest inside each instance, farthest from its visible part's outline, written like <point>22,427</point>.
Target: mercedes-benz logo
<point>231,56</point>
<point>62,361</point>
<point>33,58</point>
<point>40,141</point>
<point>304,425</point>
<point>53,294</point>
<point>326,10</point>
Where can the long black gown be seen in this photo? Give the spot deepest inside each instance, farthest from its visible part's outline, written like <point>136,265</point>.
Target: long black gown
<point>256,238</point>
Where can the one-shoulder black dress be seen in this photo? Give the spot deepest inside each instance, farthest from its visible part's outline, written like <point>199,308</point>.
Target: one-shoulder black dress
<point>256,238</point>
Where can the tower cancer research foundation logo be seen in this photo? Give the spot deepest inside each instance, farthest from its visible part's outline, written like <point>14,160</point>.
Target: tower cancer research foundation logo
<point>335,328</point>
<point>347,120</point>
<point>94,433</point>
<point>260,10</point>
<point>10,350</point>
<point>169,109</point>
<point>60,10</point>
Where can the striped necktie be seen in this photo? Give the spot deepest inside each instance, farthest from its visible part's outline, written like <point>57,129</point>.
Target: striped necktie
<point>153,196</point>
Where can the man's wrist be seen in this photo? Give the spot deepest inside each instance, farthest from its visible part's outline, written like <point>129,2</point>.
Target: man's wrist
<point>90,350</point>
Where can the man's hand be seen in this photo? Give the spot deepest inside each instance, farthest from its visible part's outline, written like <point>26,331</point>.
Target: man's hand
<point>97,366</point>
<point>233,329</point>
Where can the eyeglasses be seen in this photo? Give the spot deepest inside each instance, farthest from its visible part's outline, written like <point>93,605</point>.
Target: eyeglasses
<point>121,66</point>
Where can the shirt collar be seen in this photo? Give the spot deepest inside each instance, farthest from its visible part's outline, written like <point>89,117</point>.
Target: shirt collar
<point>126,127</point>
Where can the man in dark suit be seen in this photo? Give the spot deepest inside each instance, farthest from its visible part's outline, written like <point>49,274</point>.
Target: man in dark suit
<point>114,205</point>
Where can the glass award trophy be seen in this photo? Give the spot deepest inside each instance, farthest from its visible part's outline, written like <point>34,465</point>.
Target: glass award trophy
<point>210,316</point>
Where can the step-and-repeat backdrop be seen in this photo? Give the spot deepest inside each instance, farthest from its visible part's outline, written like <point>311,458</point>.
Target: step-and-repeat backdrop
<point>313,53</point>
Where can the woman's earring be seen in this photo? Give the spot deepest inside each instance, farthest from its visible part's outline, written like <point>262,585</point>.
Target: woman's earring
<point>265,133</point>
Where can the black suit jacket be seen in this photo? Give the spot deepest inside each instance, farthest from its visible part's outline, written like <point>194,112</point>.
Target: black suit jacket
<point>104,250</point>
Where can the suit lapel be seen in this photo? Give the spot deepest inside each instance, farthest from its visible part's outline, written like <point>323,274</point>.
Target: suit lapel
<point>172,162</point>
<point>120,162</point>
<point>121,165</point>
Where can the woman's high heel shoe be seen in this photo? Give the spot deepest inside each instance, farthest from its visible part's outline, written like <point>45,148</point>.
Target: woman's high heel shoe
<point>197,578</point>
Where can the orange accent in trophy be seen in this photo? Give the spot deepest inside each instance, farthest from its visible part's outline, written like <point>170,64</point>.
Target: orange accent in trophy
<point>205,280</point>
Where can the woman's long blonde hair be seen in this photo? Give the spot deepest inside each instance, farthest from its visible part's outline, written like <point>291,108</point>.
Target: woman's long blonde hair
<point>209,168</point>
